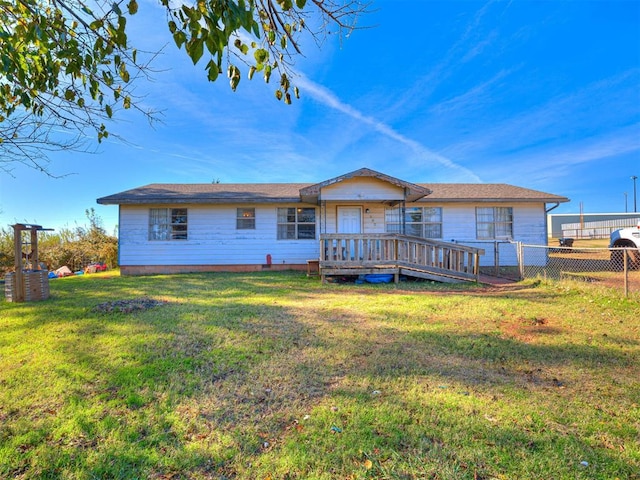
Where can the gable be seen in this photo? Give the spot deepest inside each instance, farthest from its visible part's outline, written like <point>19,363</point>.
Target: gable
<point>362,189</point>
<point>410,191</point>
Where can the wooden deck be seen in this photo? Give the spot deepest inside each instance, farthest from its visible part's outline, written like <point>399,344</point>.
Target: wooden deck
<point>361,254</point>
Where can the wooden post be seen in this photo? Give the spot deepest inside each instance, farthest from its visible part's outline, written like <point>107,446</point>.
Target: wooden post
<point>35,262</point>
<point>19,274</point>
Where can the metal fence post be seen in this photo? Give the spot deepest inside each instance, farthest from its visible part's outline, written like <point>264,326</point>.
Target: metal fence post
<point>520,258</point>
<point>626,271</point>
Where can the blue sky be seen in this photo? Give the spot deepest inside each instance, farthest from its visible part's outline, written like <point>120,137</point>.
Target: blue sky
<point>539,94</point>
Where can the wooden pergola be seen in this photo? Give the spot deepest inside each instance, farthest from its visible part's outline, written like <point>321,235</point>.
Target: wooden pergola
<point>25,259</point>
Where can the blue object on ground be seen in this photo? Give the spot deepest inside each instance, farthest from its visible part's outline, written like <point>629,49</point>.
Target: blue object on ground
<point>379,278</point>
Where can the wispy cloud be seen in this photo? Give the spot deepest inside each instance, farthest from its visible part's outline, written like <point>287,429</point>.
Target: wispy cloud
<point>606,106</point>
<point>620,142</point>
<point>327,98</point>
<point>472,98</point>
<point>540,165</point>
<point>471,43</point>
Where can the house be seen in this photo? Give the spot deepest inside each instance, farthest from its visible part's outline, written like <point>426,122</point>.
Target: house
<point>363,220</point>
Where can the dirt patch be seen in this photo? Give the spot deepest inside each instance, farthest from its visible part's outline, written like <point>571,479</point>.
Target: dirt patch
<point>528,330</point>
<point>129,306</point>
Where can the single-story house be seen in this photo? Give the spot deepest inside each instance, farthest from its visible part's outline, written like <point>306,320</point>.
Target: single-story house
<point>360,218</point>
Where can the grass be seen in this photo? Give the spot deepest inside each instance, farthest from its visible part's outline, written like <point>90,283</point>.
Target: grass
<point>584,242</point>
<point>274,376</point>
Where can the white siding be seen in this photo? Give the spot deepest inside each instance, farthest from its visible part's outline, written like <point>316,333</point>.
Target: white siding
<point>529,227</point>
<point>212,239</point>
<point>362,189</point>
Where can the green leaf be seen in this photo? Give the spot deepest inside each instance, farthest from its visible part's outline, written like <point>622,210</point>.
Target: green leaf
<point>107,78</point>
<point>278,94</point>
<point>285,4</point>
<point>284,82</point>
<point>109,110</point>
<point>94,88</point>
<point>256,29</point>
<point>300,4</point>
<point>180,38</point>
<point>195,49</point>
<point>212,71</point>
<point>241,46</point>
<point>261,55</point>
<point>252,71</point>
<point>132,6</point>
<point>124,74</point>
<point>234,76</point>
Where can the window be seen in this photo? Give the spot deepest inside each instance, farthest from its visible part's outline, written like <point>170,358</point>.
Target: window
<point>246,219</point>
<point>494,223</point>
<point>423,222</point>
<point>296,224</point>
<point>167,224</point>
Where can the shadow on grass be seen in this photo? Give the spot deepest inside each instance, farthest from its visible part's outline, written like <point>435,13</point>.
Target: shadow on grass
<point>218,380</point>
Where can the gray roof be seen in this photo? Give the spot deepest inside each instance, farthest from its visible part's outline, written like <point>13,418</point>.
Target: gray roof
<point>230,193</point>
<point>159,193</point>
<point>487,192</point>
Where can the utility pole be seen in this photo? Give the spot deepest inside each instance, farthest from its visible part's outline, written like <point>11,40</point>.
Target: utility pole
<point>635,205</point>
<point>625,202</point>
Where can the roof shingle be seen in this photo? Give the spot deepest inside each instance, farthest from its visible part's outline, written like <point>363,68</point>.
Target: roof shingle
<point>229,193</point>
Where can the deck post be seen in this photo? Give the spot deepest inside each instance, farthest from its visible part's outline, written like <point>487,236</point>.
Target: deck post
<point>476,267</point>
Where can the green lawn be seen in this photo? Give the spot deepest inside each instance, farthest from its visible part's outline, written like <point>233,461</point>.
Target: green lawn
<point>274,376</point>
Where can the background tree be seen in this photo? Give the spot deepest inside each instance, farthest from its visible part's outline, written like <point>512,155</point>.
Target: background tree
<point>68,66</point>
<point>73,247</point>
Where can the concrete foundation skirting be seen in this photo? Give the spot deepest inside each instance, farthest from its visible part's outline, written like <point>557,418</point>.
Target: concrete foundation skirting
<point>170,269</point>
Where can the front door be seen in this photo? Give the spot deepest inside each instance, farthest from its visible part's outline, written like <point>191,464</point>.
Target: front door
<point>349,220</point>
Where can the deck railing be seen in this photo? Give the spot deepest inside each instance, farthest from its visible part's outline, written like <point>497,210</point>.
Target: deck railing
<point>344,251</point>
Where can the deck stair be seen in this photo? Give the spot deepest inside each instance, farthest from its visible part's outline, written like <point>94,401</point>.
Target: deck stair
<point>361,254</point>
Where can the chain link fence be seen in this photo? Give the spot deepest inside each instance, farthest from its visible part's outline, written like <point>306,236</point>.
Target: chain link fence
<point>617,268</point>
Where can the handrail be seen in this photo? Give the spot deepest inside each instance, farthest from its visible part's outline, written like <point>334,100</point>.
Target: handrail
<point>402,251</point>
